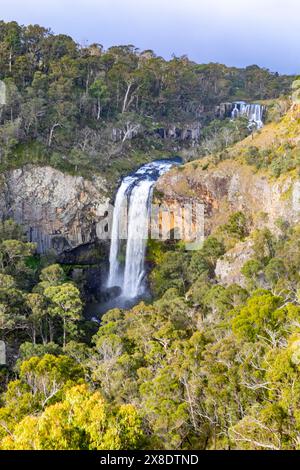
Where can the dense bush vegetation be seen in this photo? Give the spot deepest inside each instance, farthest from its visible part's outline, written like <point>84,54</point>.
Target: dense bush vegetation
<point>79,107</point>
<point>202,367</point>
<point>279,159</point>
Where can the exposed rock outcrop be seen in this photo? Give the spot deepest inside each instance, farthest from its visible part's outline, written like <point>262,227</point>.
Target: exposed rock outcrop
<point>228,268</point>
<point>184,133</point>
<point>59,211</point>
<point>231,187</point>
<point>179,132</point>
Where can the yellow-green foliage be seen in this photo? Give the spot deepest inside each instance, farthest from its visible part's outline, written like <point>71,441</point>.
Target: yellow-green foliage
<point>81,421</point>
<point>296,92</point>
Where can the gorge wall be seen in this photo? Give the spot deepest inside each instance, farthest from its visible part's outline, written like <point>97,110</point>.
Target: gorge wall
<point>59,211</point>
<point>190,132</point>
<point>230,187</point>
<point>63,212</point>
<point>69,213</point>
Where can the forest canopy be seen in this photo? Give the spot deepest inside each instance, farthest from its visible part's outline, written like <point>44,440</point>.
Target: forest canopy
<point>199,365</point>
<point>83,106</point>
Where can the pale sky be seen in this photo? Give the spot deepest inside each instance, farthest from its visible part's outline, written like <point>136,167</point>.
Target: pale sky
<point>234,32</point>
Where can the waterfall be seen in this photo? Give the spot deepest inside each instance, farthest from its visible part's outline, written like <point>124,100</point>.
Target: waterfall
<point>130,223</point>
<point>254,113</point>
<point>137,238</point>
<point>235,112</point>
<point>115,275</point>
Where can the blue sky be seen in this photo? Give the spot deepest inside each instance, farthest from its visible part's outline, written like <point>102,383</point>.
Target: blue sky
<point>234,32</point>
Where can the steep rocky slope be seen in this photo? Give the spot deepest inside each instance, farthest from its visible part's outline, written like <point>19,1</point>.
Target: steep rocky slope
<point>232,185</point>
<point>229,186</point>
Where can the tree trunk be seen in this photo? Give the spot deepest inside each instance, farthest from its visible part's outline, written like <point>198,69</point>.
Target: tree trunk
<point>10,60</point>
<point>190,403</point>
<point>43,336</point>
<point>126,97</point>
<point>50,331</point>
<point>130,130</point>
<point>64,339</point>
<point>118,95</point>
<point>52,133</point>
<point>98,109</point>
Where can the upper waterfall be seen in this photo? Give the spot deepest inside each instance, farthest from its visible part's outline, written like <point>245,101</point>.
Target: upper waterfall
<point>130,225</point>
<point>254,112</point>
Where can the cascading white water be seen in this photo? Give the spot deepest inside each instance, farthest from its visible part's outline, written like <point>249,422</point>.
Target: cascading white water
<point>235,112</point>
<point>135,192</point>
<point>137,238</point>
<point>254,113</point>
<point>115,277</point>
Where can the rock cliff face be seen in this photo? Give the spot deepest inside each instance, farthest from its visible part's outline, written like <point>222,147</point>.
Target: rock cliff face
<point>59,211</point>
<point>184,133</point>
<point>230,187</point>
<point>228,268</point>
<point>227,188</point>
